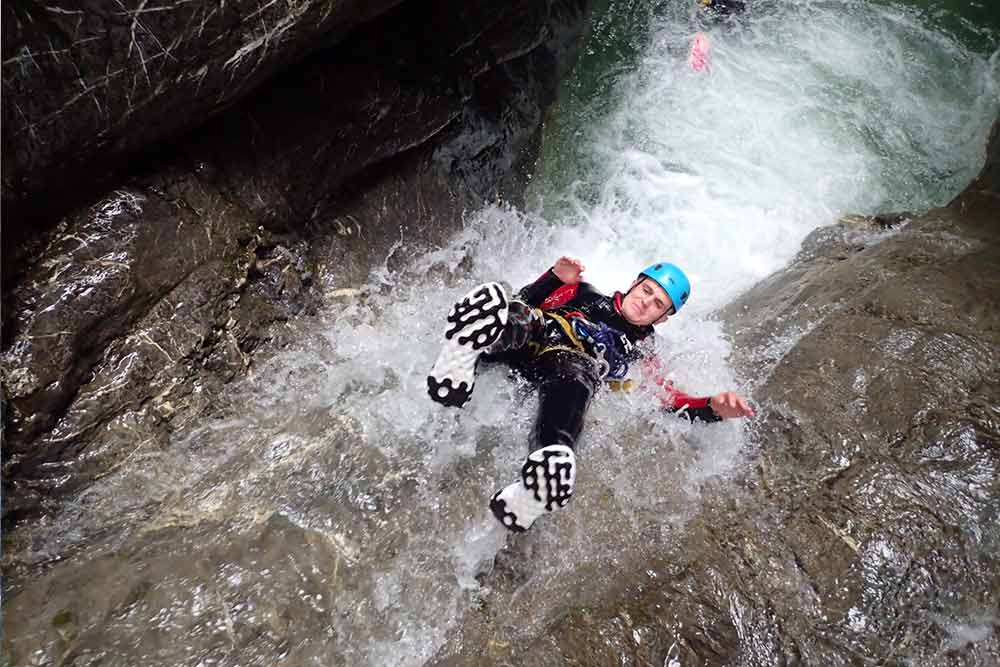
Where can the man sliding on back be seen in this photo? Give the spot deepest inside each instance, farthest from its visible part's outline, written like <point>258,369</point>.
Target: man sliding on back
<point>566,338</point>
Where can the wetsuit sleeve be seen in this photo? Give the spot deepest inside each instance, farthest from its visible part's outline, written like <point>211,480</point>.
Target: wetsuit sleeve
<point>674,400</point>
<point>536,293</point>
<point>690,406</point>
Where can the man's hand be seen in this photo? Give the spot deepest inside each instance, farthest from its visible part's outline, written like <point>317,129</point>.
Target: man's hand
<point>568,270</point>
<point>728,405</point>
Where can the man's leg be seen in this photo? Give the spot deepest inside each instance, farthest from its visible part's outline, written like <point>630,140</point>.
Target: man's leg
<point>566,382</point>
<point>484,321</point>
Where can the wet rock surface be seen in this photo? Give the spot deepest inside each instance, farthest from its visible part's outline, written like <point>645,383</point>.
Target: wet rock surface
<point>125,320</point>
<point>866,526</point>
<point>86,84</point>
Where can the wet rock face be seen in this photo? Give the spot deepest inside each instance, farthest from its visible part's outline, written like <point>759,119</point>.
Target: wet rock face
<point>139,308</point>
<point>87,86</point>
<point>127,317</point>
<point>865,528</point>
<point>87,81</point>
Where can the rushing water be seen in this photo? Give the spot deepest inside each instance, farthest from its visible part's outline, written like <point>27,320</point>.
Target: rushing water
<point>335,515</point>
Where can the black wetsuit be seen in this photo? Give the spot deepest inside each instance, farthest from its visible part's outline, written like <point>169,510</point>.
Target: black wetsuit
<point>566,339</point>
<point>721,8</point>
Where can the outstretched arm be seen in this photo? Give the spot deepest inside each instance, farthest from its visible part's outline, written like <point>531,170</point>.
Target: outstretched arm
<point>724,405</point>
<point>563,278</point>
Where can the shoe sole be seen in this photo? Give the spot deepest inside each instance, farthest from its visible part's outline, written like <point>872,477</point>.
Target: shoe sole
<point>474,323</point>
<point>547,480</point>
<point>507,518</point>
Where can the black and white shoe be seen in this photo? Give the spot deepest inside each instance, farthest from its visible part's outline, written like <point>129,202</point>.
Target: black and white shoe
<point>475,323</point>
<point>547,479</point>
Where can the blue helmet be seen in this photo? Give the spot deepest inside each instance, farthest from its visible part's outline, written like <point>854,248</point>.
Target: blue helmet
<point>672,280</point>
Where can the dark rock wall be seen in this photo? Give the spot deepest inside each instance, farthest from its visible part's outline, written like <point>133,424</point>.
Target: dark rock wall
<point>138,306</point>
<point>88,83</point>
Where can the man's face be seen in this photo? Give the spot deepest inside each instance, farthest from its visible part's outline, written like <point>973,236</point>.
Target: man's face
<point>646,303</point>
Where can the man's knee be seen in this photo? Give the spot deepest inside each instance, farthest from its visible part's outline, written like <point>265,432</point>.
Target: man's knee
<point>573,373</point>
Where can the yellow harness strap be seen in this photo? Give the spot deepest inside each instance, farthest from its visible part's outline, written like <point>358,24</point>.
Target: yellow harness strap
<point>568,330</point>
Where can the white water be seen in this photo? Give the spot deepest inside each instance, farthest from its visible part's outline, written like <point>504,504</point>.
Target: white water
<point>811,110</point>
<point>808,113</point>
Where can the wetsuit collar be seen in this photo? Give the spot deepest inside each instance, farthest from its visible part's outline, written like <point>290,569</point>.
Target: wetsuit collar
<point>618,303</point>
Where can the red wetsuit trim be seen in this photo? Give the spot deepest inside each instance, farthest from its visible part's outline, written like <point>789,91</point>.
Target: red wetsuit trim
<point>562,295</point>
<point>680,399</point>
<point>565,293</point>
<point>672,398</point>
